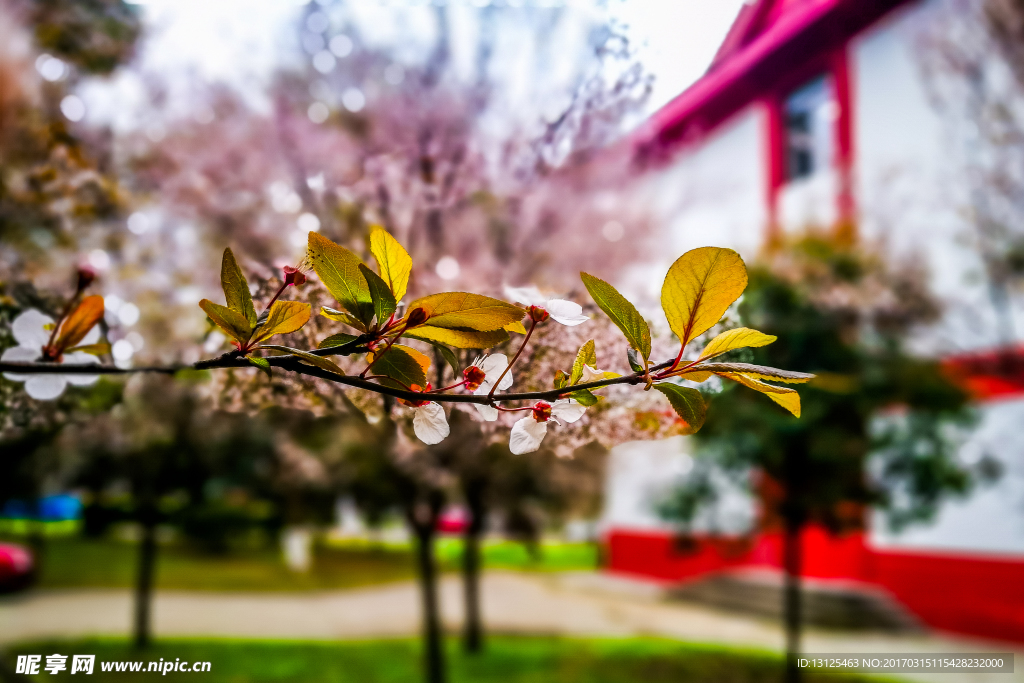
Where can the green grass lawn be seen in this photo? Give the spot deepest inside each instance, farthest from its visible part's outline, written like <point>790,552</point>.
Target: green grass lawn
<point>506,660</point>
<point>74,562</point>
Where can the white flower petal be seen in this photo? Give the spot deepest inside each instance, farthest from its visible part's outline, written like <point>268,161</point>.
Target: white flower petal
<point>567,409</point>
<point>591,375</point>
<point>526,435</point>
<point>45,387</point>
<point>530,296</point>
<point>566,312</point>
<point>430,424</point>
<point>493,366</point>
<point>17,354</point>
<point>28,329</point>
<point>488,413</point>
<point>80,358</point>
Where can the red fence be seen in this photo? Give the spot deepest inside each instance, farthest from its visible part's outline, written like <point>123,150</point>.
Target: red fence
<point>981,596</point>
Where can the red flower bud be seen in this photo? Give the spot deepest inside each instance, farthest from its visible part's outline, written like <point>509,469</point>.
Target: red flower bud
<point>537,314</point>
<point>417,316</point>
<point>542,411</point>
<point>294,276</point>
<point>474,377</point>
<point>86,275</point>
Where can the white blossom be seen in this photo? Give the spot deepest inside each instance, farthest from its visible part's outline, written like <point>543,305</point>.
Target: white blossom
<point>528,433</point>
<point>492,366</point>
<point>31,333</point>
<point>561,311</point>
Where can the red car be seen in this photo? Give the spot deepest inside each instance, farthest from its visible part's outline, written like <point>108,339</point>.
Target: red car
<point>17,567</point>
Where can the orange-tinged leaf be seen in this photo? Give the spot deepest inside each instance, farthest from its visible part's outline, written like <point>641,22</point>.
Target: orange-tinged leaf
<point>236,289</point>
<point>406,366</point>
<point>232,322</point>
<point>699,288</point>
<point>393,260</point>
<point>283,317</point>
<point>741,337</point>
<point>468,311</point>
<point>78,323</point>
<point>97,349</point>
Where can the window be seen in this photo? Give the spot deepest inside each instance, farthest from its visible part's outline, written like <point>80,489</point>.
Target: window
<point>808,116</point>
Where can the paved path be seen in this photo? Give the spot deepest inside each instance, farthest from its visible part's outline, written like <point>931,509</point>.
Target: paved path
<point>564,604</point>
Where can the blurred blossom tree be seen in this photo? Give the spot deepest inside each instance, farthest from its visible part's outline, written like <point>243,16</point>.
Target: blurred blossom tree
<point>974,68</point>
<point>881,428</point>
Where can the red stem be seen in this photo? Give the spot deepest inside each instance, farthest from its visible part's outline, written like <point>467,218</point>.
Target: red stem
<point>529,333</point>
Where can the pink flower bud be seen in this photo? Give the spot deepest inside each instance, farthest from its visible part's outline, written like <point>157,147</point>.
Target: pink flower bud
<point>86,275</point>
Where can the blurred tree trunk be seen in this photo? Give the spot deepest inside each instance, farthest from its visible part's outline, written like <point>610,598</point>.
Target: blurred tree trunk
<point>144,576</point>
<point>473,637</point>
<point>423,520</point>
<point>791,551</point>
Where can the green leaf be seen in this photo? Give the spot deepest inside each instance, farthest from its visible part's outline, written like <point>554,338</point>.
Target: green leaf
<point>688,404</point>
<point>634,363</point>
<point>282,318</point>
<point>384,303</point>
<point>336,340</point>
<point>621,312</point>
<point>403,364</point>
<point>585,397</point>
<point>236,289</point>
<point>392,260</point>
<point>699,288</point>
<point>338,269</point>
<point>460,339</point>
<point>92,349</point>
<point>468,311</point>
<point>262,363</point>
<point>449,357</point>
<point>585,356</point>
<point>306,357</point>
<point>342,317</point>
<point>234,324</point>
<point>739,338</point>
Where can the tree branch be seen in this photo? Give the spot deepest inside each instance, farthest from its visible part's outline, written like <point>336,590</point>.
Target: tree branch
<point>234,359</point>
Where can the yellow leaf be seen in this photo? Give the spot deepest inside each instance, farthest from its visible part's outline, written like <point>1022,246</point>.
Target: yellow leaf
<point>236,289</point>
<point>78,323</point>
<point>784,396</point>
<point>741,337</point>
<point>342,317</point>
<point>338,269</point>
<point>393,260</point>
<point>516,327</point>
<point>696,376</point>
<point>460,339</point>
<point>469,311</point>
<point>283,317</point>
<point>232,322</point>
<point>699,288</point>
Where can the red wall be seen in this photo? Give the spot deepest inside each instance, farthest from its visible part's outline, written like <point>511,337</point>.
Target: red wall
<point>973,595</point>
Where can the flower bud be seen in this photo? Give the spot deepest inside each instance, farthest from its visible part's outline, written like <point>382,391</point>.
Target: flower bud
<point>417,316</point>
<point>86,275</point>
<point>542,411</point>
<point>294,276</point>
<point>474,377</point>
<point>537,314</point>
